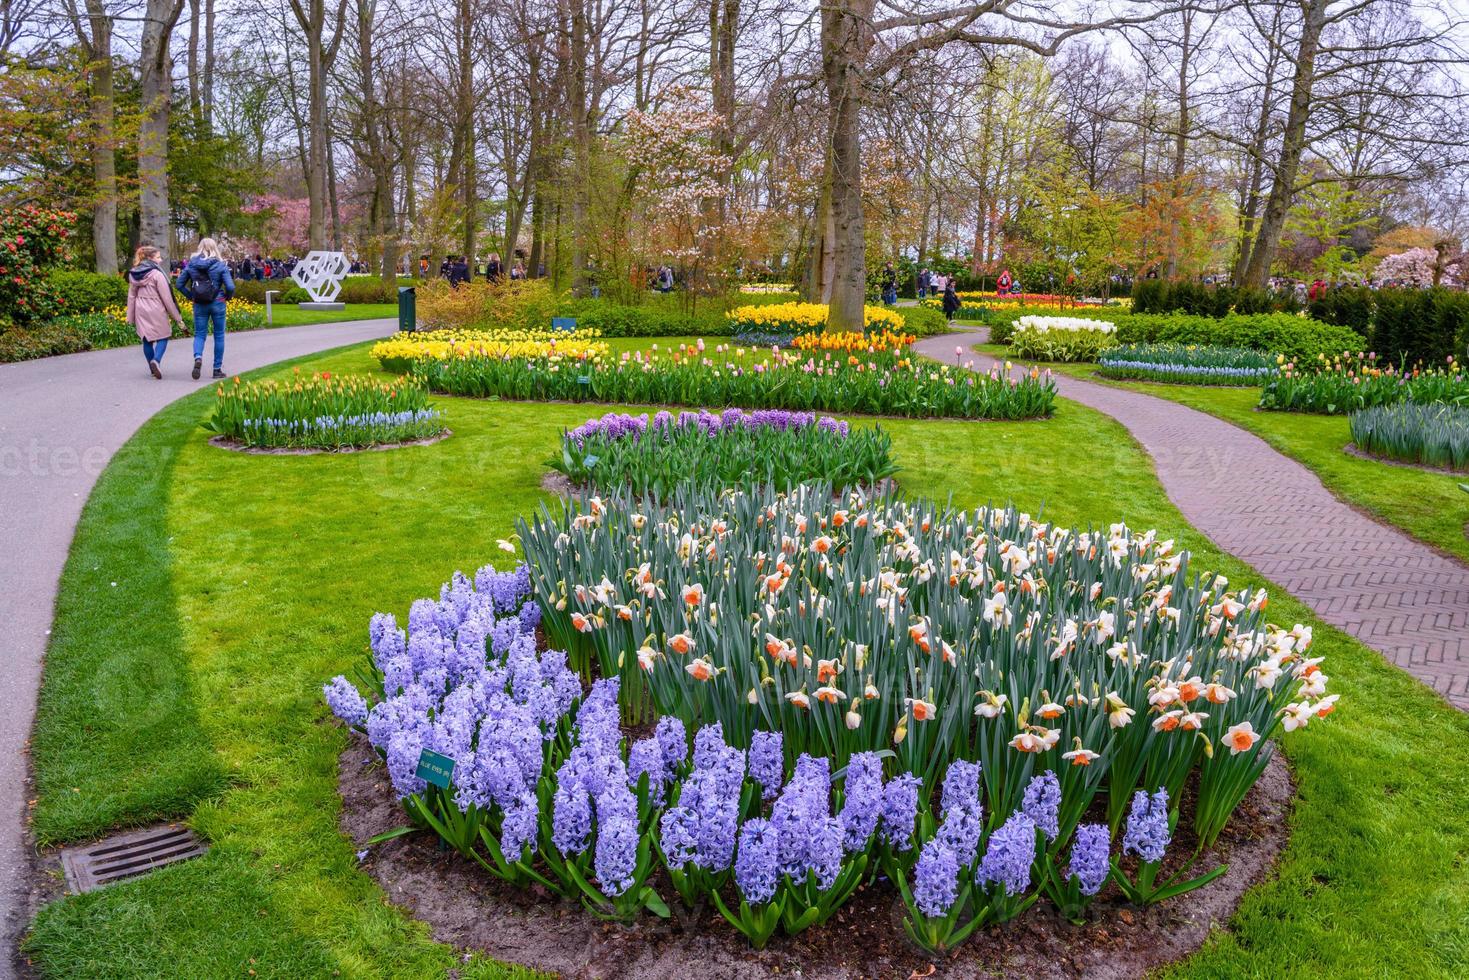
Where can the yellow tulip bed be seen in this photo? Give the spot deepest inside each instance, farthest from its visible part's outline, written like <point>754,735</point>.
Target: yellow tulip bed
<point>398,353</point>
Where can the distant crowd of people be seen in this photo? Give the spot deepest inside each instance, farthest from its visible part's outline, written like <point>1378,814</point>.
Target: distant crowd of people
<point>456,269</point>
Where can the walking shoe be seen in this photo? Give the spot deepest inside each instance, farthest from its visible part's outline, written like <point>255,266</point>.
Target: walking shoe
<point>198,366</point>
<point>219,374</point>
<point>153,366</point>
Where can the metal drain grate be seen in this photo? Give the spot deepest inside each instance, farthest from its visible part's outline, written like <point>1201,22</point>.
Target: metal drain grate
<point>127,856</point>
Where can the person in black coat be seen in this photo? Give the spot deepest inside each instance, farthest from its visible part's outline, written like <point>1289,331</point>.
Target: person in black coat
<point>458,271</point>
<point>493,269</point>
<point>951,300</point>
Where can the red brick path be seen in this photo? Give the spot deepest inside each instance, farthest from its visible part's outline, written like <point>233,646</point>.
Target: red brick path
<point>1389,590</point>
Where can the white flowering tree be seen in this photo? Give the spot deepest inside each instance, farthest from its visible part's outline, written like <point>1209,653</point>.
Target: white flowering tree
<point>680,185</point>
<point>1418,267</point>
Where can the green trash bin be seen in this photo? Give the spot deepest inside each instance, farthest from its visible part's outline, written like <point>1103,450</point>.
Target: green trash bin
<point>407,308</point>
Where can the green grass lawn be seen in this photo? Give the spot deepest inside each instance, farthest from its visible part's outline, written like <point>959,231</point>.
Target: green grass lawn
<point>289,315</point>
<point>1429,506</point>
<point>191,688</point>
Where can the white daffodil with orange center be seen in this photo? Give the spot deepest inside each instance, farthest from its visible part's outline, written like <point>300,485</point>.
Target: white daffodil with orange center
<point>800,699</point>
<point>996,612</point>
<point>1326,705</point>
<point>581,623</point>
<point>1192,721</point>
<point>1190,690</point>
<point>647,657</point>
<point>830,695</point>
<point>693,595</point>
<point>1167,721</point>
<point>1080,756</point>
<point>700,669</point>
<point>1241,737</point>
<point>1313,686</point>
<point>1050,711</point>
<point>1119,715</point>
<point>1297,714</point>
<point>1217,693</point>
<point>681,643</point>
<point>922,710</point>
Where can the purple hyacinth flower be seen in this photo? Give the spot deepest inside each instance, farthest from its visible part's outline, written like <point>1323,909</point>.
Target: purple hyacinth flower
<point>571,817</point>
<point>345,701</point>
<point>767,763</point>
<point>863,804</point>
<point>1010,854</point>
<point>673,742</point>
<point>1042,803</point>
<point>518,829</point>
<point>936,879</point>
<point>616,856</point>
<point>900,810</point>
<point>757,865</point>
<point>1090,864</point>
<point>1147,834</point>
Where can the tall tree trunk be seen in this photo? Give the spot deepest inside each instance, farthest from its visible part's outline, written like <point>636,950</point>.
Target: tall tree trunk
<point>1292,146</point>
<point>195,108</point>
<point>1180,146</point>
<point>846,40</point>
<point>469,177</point>
<point>331,193</point>
<point>581,142</point>
<point>155,81</point>
<point>1250,210</point>
<point>207,95</point>
<point>319,57</point>
<point>102,108</point>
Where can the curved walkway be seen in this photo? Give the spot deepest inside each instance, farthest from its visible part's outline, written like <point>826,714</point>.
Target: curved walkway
<point>61,419</point>
<point>1389,590</point>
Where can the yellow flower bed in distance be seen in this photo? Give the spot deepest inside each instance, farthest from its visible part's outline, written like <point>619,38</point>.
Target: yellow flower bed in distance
<point>398,352</point>
<point>799,318</point>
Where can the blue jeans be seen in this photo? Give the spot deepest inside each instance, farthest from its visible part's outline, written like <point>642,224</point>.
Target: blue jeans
<point>153,349</point>
<point>203,314</point>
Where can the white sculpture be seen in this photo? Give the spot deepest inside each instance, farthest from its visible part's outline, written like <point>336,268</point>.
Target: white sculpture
<point>320,274</point>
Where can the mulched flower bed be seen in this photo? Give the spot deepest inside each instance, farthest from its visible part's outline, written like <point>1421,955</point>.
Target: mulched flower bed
<point>235,445</point>
<point>467,908</point>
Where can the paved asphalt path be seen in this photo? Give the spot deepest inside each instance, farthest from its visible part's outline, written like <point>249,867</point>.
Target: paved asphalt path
<point>1389,590</point>
<point>61,419</point>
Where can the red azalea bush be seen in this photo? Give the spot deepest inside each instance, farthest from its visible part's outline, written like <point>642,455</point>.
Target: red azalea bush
<point>31,239</point>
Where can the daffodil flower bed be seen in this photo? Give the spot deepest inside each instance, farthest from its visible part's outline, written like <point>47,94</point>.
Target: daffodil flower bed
<point>1430,435</point>
<point>770,447</point>
<point>1345,383</point>
<point>399,352</point>
<point>496,747</point>
<point>870,384</point>
<point>323,411</point>
<point>1061,338</point>
<point>798,318</point>
<point>1195,364</point>
<point>880,624</point>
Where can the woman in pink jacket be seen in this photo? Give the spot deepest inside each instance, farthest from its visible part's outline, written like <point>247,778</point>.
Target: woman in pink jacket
<point>151,308</point>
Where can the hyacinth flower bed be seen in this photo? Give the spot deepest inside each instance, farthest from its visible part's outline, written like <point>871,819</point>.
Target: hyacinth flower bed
<point>1346,383</point>
<point>500,750</point>
<point>1193,364</point>
<point>771,447</point>
<point>399,352</point>
<point>889,383</point>
<point>1429,435</point>
<point>323,411</point>
<point>1061,338</point>
<point>882,624</point>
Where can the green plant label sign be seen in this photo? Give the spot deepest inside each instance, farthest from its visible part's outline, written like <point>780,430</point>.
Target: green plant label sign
<point>585,379</point>
<point>590,461</point>
<point>435,768</point>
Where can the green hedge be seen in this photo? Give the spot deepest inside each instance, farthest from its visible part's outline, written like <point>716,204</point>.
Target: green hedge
<point>923,322</point>
<point>45,340</point>
<point>1197,299</point>
<point>1421,325</point>
<point>87,292</point>
<point>1297,337</point>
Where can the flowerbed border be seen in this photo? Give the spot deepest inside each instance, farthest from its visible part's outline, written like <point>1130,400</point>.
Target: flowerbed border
<point>467,909</point>
<point>235,446</point>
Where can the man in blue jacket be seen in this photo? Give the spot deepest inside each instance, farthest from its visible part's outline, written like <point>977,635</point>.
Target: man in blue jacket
<point>205,279</point>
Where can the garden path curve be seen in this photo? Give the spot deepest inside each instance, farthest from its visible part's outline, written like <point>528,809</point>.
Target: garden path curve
<point>61,419</point>
<point>1391,591</point>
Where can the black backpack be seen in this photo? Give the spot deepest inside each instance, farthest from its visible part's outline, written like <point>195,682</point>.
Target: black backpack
<point>202,291</point>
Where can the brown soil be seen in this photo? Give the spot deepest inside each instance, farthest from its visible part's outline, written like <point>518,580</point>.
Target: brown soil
<point>233,445</point>
<point>1352,449</point>
<point>467,908</point>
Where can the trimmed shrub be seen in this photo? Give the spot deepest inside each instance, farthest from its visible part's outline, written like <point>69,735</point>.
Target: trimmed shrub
<point>1197,299</point>
<point>1420,325</point>
<point>1347,306</point>
<point>45,340</point>
<point>87,292</point>
<point>921,321</point>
